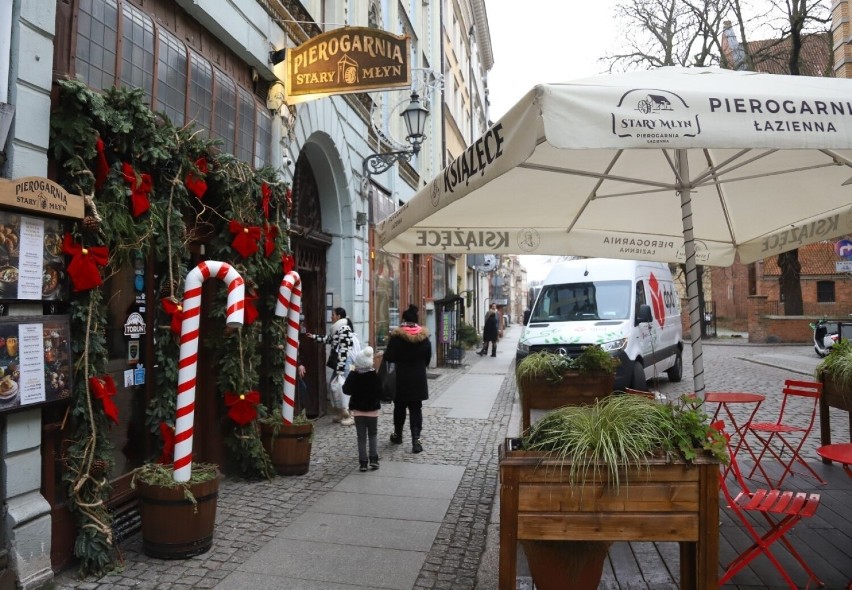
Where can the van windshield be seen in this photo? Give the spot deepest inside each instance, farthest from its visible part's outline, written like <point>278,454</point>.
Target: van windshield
<point>578,302</point>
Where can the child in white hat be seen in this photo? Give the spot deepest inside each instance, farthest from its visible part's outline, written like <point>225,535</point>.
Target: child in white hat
<point>365,390</point>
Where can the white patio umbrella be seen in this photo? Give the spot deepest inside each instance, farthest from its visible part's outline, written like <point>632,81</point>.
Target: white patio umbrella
<point>692,165</point>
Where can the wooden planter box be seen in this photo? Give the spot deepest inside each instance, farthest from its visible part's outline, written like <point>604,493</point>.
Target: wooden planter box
<point>832,397</point>
<point>573,390</point>
<point>669,501</point>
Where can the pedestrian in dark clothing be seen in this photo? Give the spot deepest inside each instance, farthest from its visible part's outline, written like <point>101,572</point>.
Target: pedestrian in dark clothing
<point>490,331</point>
<point>365,391</point>
<point>409,347</point>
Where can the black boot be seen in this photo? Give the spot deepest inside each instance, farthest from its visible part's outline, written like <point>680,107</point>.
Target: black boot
<point>416,446</point>
<point>374,463</point>
<point>396,438</point>
<point>362,466</point>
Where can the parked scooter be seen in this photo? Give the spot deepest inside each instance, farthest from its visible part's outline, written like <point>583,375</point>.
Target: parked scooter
<point>825,336</point>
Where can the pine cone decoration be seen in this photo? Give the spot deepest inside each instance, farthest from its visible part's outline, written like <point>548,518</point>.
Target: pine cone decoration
<point>91,224</point>
<point>169,290</point>
<point>98,468</point>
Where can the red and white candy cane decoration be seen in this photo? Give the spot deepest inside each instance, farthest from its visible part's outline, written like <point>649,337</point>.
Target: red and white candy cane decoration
<point>188,362</point>
<point>290,305</point>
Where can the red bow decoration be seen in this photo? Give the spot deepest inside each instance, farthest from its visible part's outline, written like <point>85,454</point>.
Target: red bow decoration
<point>289,262</point>
<point>245,238</point>
<point>168,434</point>
<point>242,408</point>
<point>140,188</point>
<point>101,164</point>
<point>264,201</point>
<point>104,390</point>
<point>175,311</point>
<point>270,232</point>
<point>83,268</point>
<point>250,309</point>
<point>195,183</point>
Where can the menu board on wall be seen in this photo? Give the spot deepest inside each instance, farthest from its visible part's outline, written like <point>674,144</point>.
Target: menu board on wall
<point>32,265</point>
<point>35,360</point>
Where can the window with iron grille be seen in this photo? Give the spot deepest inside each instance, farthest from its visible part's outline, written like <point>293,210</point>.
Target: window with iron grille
<point>245,130</point>
<point>97,38</point>
<point>171,78</point>
<point>225,112</point>
<point>200,92</point>
<point>137,55</point>
<point>825,291</point>
<point>263,139</point>
<point>188,90</point>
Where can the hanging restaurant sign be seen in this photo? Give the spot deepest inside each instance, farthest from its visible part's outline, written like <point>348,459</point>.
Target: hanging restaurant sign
<point>346,60</point>
<point>41,195</point>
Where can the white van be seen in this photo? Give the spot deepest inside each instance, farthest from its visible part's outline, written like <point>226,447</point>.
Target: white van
<point>630,308</point>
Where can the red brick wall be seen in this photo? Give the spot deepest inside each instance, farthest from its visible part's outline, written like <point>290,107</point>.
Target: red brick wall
<point>730,295</point>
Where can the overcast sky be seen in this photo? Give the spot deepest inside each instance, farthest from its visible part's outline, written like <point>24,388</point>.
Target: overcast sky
<point>538,41</point>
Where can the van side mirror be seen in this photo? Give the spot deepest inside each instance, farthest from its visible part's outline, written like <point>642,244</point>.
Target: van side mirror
<point>644,314</point>
<point>527,314</point>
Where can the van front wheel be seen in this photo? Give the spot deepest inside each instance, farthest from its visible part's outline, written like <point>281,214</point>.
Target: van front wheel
<point>675,373</point>
<point>638,382</point>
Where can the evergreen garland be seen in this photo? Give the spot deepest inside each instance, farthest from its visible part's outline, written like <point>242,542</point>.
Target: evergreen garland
<point>247,359</point>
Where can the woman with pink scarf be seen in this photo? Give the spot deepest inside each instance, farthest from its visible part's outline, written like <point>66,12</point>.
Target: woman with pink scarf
<point>409,347</point>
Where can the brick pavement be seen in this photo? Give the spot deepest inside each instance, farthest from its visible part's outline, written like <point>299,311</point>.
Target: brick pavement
<point>251,512</point>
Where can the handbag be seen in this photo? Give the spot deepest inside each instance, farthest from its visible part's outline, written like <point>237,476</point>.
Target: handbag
<point>388,378</point>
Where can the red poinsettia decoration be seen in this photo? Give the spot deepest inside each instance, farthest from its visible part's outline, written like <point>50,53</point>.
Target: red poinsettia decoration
<point>101,164</point>
<point>140,188</point>
<point>266,197</point>
<point>103,388</point>
<point>168,434</point>
<point>242,408</point>
<point>288,262</point>
<point>270,232</point>
<point>195,183</point>
<point>83,268</point>
<point>246,238</point>
<point>175,311</point>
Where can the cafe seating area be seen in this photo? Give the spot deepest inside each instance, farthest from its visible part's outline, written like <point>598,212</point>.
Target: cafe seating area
<point>786,519</point>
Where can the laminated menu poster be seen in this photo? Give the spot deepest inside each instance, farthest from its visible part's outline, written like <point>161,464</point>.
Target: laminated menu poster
<point>35,360</point>
<point>32,265</point>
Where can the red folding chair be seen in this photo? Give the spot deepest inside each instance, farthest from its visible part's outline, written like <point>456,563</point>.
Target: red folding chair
<point>781,510</point>
<point>789,432</point>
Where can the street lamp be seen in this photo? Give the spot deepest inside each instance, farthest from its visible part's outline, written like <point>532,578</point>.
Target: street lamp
<point>414,116</point>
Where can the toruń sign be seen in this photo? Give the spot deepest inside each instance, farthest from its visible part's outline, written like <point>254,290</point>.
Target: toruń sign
<point>351,59</point>
<point>40,195</point>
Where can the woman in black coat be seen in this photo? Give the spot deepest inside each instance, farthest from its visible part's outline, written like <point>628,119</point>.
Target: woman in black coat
<point>490,331</point>
<point>409,347</point>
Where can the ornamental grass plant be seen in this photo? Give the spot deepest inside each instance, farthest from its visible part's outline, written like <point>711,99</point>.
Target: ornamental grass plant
<point>552,367</point>
<point>837,365</point>
<point>623,431</point>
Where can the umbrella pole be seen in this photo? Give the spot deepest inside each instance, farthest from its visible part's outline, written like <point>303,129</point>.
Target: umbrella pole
<point>691,275</point>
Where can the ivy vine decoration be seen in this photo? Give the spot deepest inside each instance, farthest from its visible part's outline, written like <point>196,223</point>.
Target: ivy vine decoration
<point>154,191</point>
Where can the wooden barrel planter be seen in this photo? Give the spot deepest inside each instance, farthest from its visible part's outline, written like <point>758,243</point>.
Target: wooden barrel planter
<point>666,501</point>
<point>173,527</point>
<point>289,448</point>
<point>574,389</point>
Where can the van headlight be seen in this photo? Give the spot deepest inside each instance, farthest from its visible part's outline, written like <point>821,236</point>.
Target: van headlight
<point>523,348</point>
<point>614,345</point>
